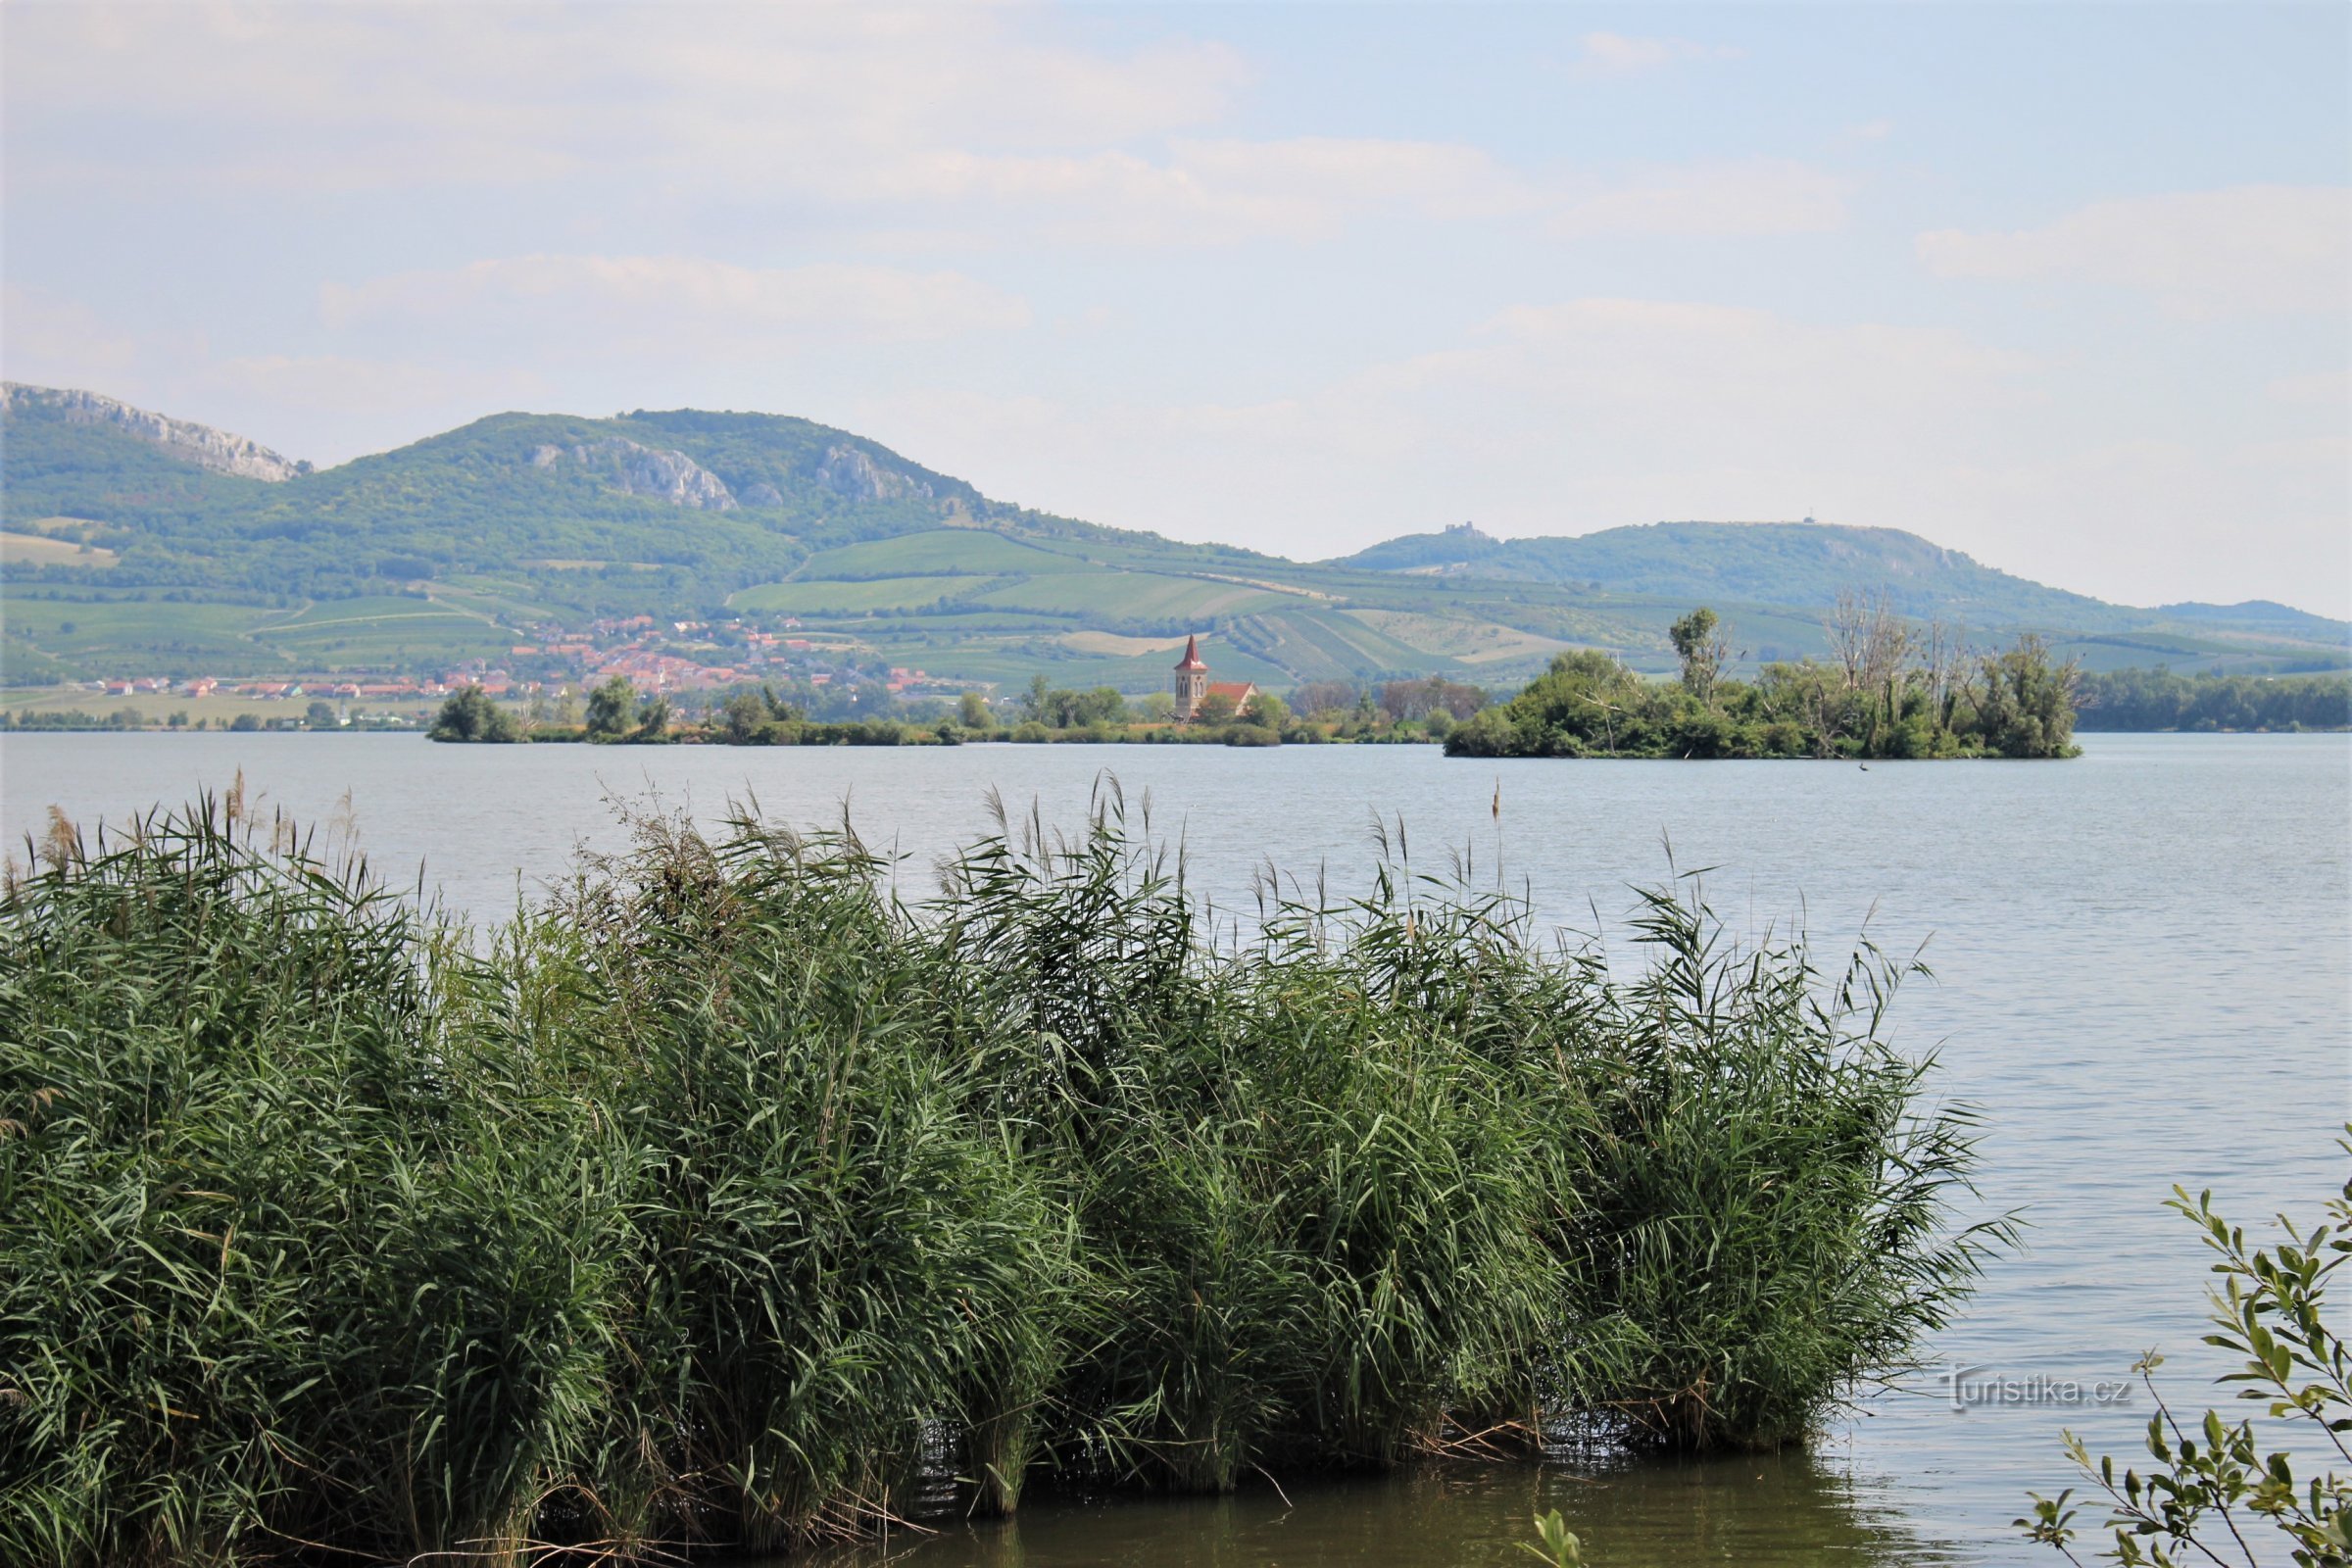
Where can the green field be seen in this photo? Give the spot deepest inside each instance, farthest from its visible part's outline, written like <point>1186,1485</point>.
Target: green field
<point>20,660</point>
<point>137,636</point>
<point>1079,593</point>
<point>40,549</point>
<point>344,612</point>
<point>219,710</point>
<point>1472,641</point>
<point>493,598</point>
<point>120,635</point>
<point>2181,653</point>
<point>370,633</point>
<point>1330,644</point>
<point>913,563</point>
<point>828,597</point>
<point>1133,596</point>
<point>935,551</point>
<point>416,644</point>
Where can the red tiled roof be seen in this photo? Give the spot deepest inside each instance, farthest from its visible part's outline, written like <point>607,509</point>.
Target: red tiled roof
<point>1241,691</point>
<point>1192,655</point>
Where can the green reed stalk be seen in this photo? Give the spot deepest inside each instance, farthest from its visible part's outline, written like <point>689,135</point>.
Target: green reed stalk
<point>723,1196</point>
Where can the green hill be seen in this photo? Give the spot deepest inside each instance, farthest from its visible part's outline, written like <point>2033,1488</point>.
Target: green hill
<point>135,545</point>
<point>1797,564</point>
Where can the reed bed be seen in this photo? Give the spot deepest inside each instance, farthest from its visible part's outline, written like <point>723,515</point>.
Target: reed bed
<point>724,1195</point>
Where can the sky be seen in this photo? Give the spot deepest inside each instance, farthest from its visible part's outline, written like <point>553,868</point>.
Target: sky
<point>2066,287</point>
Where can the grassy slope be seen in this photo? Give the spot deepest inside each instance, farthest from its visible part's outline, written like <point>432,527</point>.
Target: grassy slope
<point>1770,563</point>
<point>947,550</point>
<point>831,596</point>
<point>1806,566</point>
<point>215,575</point>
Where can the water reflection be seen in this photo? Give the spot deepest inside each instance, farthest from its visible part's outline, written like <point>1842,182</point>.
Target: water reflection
<point>1761,1510</point>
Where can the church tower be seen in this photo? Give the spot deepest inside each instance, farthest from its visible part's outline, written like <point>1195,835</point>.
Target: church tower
<point>1191,680</point>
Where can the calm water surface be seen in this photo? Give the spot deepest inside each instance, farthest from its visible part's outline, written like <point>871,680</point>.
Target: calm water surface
<point>2144,974</point>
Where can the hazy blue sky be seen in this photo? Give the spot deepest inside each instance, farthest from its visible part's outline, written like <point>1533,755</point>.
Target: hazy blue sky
<point>2065,287</point>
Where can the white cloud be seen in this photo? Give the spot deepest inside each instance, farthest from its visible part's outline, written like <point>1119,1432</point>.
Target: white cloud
<point>325,406</point>
<point>688,202</point>
<point>53,339</point>
<point>1353,174</point>
<point>936,128</point>
<point>329,406</point>
<point>602,304</point>
<point>2248,250</point>
<point>363,389</point>
<point>1750,196</point>
<point>1548,420</point>
<point>1615,54</point>
<point>338,97</point>
<point>1112,197</point>
<point>2323,388</point>
<point>50,340</point>
<point>2136,520</point>
<point>1571,416</point>
<point>1200,192</point>
<point>1220,192</point>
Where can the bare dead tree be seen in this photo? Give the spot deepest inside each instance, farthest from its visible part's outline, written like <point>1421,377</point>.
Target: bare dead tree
<point>1848,628</point>
<point>1944,659</point>
<point>1887,644</point>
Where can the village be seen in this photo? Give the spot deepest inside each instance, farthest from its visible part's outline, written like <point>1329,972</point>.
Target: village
<point>665,659</point>
<point>545,690</point>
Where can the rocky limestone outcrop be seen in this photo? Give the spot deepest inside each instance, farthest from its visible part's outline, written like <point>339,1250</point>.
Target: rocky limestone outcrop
<point>642,471</point>
<point>762,495</point>
<point>848,471</point>
<point>200,444</point>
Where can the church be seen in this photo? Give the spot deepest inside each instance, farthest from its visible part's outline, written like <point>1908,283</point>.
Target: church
<point>1194,687</point>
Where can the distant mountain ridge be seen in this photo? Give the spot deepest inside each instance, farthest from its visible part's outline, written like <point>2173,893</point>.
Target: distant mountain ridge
<point>503,532</point>
<point>2256,612</point>
<point>1804,563</point>
<point>200,444</point>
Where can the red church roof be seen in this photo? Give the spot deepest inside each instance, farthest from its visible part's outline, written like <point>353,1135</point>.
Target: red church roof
<point>1192,655</point>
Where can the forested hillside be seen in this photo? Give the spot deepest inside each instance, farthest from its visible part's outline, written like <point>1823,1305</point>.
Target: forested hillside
<point>675,509</point>
<point>1801,563</point>
<point>139,545</point>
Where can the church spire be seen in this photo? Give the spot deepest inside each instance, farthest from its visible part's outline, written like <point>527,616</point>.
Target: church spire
<point>1191,681</point>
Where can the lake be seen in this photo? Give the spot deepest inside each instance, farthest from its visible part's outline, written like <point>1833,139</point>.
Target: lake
<point>2143,975</point>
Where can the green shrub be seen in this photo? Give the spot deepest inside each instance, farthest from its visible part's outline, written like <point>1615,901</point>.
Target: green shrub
<point>1766,1224</point>
<point>1309,1223</point>
<point>469,715</point>
<point>1891,696</point>
<point>716,1199</point>
<point>832,1246</point>
<point>265,1276</point>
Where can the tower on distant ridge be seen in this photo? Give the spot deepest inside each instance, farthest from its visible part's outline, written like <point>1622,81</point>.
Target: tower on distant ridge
<point>1191,680</point>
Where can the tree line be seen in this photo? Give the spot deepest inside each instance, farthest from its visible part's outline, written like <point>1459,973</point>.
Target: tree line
<point>1888,690</point>
<point>2159,700</point>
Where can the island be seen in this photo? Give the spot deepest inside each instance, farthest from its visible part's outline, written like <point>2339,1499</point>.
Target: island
<point>1888,691</point>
